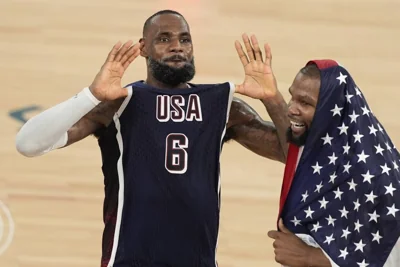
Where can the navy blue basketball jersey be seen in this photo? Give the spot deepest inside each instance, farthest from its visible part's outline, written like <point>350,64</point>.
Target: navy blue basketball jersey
<point>161,166</point>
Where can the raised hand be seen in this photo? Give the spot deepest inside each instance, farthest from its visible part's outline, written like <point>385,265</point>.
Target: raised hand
<point>107,83</point>
<point>259,81</point>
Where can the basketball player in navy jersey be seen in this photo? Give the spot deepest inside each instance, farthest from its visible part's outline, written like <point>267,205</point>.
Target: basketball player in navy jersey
<point>161,140</point>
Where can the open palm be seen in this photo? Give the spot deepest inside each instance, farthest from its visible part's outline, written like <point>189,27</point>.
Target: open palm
<point>107,83</point>
<point>259,81</point>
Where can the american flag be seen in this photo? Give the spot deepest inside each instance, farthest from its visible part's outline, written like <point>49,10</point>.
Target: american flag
<point>345,192</point>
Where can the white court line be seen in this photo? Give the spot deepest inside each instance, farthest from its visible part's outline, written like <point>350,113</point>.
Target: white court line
<point>11,228</point>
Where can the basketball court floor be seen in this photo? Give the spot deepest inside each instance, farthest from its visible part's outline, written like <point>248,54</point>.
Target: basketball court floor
<point>51,206</point>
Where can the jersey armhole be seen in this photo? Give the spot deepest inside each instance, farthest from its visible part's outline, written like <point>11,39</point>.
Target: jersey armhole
<point>126,102</point>
<point>230,99</point>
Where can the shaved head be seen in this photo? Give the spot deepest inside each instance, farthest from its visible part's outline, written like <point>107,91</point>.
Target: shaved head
<point>161,12</point>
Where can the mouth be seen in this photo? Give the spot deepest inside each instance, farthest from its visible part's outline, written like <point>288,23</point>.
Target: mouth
<point>297,127</point>
<point>176,59</point>
<point>297,124</point>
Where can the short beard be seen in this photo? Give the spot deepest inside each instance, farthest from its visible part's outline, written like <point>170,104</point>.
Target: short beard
<point>298,141</point>
<point>169,75</point>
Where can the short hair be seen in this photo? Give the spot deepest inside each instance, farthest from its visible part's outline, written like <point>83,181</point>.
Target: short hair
<point>311,70</point>
<point>161,12</point>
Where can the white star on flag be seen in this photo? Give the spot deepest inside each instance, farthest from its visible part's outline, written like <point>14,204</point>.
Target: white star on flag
<point>362,157</point>
<point>390,189</point>
<point>346,232</point>
<point>343,129</point>
<point>296,221</point>
<point>342,78</point>
<point>348,97</point>
<point>372,130</point>
<point>354,117</point>
<point>358,137</point>
<point>379,149</point>
<point>365,111</point>
<point>336,110</point>
<point>327,139</point>
<point>332,159</point>
<point>392,210</point>
<point>317,168</point>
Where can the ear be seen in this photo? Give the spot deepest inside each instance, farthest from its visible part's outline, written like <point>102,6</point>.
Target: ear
<point>143,50</point>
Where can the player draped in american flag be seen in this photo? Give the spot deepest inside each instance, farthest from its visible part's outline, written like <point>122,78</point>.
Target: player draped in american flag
<point>340,202</point>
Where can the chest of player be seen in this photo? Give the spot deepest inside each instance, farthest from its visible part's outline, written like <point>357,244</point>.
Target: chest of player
<point>192,112</point>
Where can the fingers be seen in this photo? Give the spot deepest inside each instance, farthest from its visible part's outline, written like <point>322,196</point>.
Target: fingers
<point>123,50</point>
<point>257,50</point>
<point>268,54</point>
<point>252,47</point>
<point>239,89</point>
<point>282,230</point>
<point>132,53</point>
<point>282,227</point>
<point>274,234</point>
<point>248,46</point>
<point>131,59</point>
<point>279,258</point>
<point>242,56</point>
<point>118,52</point>
<point>124,92</point>
<point>113,52</point>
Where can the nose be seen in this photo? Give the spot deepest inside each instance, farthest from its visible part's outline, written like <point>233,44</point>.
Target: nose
<point>293,109</point>
<point>176,46</point>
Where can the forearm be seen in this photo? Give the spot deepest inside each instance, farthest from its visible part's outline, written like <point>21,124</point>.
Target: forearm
<point>259,137</point>
<point>82,129</point>
<point>277,110</point>
<point>48,130</point>
<point>246,127</point>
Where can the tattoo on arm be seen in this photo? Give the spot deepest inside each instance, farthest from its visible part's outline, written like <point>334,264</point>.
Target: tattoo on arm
<point>100,117</point>
<point>247,128</point>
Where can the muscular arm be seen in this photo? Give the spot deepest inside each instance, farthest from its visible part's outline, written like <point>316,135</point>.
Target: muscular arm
<point>247,128</point>
<point>278,111</point>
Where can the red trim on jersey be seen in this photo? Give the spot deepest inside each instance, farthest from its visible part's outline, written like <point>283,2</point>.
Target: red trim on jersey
<point>110,221</point>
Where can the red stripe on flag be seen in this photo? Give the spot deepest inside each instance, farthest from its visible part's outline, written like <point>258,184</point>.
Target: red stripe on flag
<point>290,170</point>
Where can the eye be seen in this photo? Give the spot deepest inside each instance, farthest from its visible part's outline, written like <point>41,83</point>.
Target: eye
<point>164,39</point>
<point>186,40</point>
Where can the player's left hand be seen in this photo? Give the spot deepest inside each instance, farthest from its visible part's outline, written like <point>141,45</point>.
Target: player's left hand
<point>289,249</point>
<point>259,81</point>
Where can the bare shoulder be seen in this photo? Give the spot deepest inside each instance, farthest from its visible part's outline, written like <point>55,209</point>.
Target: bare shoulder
<point>240,112</point>
<point>238,103</point>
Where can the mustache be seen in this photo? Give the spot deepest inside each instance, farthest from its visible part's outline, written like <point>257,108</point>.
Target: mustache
<point>175,57</point>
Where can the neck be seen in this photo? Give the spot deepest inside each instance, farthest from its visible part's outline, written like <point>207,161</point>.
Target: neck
<point>157,84</point>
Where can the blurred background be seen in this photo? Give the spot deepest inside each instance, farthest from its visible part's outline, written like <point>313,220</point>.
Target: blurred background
<point>51,206</point>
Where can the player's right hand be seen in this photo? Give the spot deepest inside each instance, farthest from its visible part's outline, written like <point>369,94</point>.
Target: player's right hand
<point>259,81</point>
<point>107,83</point>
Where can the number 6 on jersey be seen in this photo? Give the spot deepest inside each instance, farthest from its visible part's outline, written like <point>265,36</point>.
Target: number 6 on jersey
<point>176,157</point>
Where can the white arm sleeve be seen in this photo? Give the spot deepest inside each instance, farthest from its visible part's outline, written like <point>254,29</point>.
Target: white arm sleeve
<point>48,130</point>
